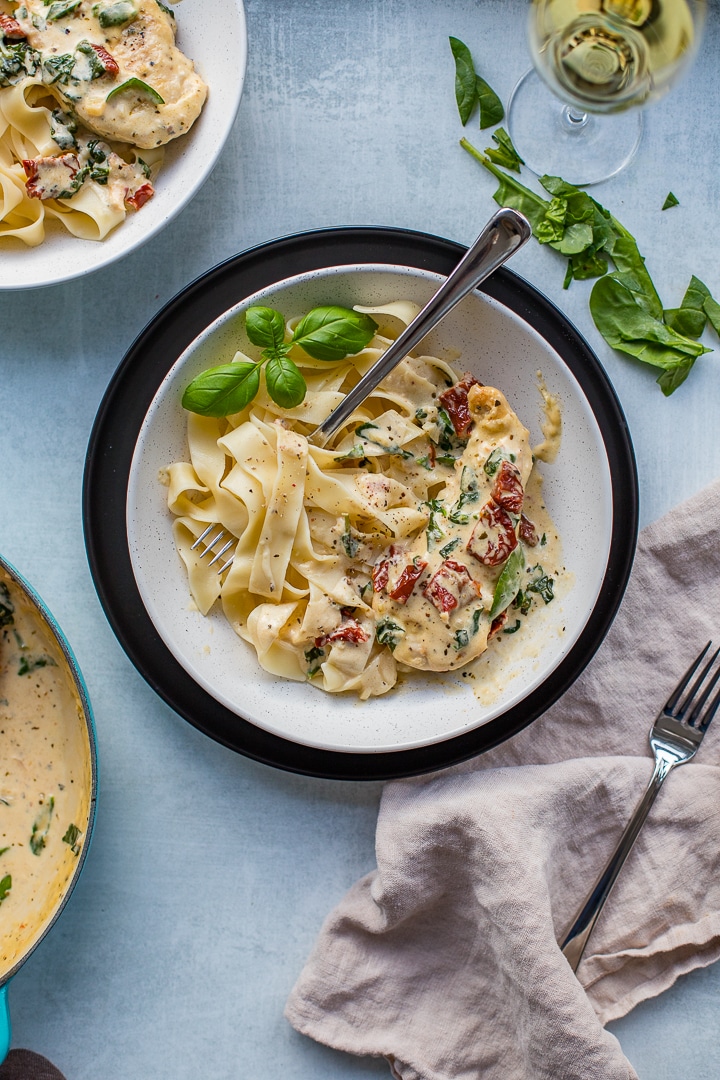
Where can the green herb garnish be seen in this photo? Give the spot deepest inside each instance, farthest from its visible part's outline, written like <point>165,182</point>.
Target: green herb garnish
<point>541,584</point>
<point>505,154</point>
<point>508,584</point>
<point>72,838</point>
<point>124,11</point>
<point>471,90</point>
<point>670,200</point>
<point>139,87</point>
<point>624,302</point>
<point>325,333</point>
<point>5,886</point>
<point>41,827</point>
<point>388,633</point>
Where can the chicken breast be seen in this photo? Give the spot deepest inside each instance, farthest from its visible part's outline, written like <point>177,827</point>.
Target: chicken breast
<point>116,64</point>
<point>433,597</point>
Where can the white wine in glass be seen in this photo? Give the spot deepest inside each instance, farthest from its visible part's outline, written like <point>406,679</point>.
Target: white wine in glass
<point>595,57</point>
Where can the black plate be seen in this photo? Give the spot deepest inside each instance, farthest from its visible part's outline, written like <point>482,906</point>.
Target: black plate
<point>128,398</point>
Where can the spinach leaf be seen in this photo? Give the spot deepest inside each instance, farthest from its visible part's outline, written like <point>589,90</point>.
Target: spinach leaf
<point>5,886</point>
<point>332,333</point>
<point>72,838</point>
<point>465,79</point>
<point>285,384</point>
<point>139,87</point>
<point>471,89</point>
<point>61,8</point>
<point>623,320</point>
<point>508,584</point>
<point>690,318</point>
<point>670,200</point>
<point>505,154</point>
<point>491,107</point>
<point>41,827</point>
<point>511,192</point>
<point>712,310</point>
<point>223,390</point>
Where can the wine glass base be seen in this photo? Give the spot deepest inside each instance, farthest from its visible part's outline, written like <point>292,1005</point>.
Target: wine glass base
<point>559,140</point>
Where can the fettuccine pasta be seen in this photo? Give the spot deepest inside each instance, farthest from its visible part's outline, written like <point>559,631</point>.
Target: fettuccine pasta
<point>400,545</point>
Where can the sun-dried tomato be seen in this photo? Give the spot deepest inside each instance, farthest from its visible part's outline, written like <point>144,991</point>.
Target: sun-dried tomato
<point>493,538</point>
<point>140,197</point>
<point>109,62</point>
<point>350,631</point>
<point>508,490</point>
<point>407,582</point>
<point>50,177</point>
<point>451,586</point>
<point>455,401</point>
<point>11,29</point>
<point>528,532</point>
<point>497,624</point>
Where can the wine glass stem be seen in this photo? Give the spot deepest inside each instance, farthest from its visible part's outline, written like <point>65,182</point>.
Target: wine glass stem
<point>574,119</point>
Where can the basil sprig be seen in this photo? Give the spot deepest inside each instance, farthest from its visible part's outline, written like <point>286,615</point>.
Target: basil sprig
<point>326,333</point>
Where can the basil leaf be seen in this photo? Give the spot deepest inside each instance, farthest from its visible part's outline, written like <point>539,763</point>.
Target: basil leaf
<point>466,89</point>
<point>285,384</point>
<point>265,327</point>
<point>670,200</point>
<point>5,886</point>
<point>508,584</point>
<point>332,333</point>
<point>491,107</point>
<point>140,87</point>
<point>506,154</point>
<point>223,390</point>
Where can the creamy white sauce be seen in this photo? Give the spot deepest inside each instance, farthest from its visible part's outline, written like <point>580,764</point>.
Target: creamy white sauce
<point>46,779</point>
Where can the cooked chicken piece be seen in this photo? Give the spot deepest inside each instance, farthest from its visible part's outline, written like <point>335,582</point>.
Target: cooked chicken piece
<point>432,597</point>
<point>115,63</point>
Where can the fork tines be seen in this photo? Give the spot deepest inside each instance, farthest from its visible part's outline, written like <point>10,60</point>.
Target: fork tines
<point>210,544</point>
<point>677,709</point>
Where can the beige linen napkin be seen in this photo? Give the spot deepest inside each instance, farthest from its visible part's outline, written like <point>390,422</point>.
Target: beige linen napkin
<point>444,959</point>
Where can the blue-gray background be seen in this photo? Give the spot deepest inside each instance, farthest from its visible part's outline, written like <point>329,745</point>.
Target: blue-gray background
<point>209,875</point>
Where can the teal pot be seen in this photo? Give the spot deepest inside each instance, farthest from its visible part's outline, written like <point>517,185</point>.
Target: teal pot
<point>48,789</point>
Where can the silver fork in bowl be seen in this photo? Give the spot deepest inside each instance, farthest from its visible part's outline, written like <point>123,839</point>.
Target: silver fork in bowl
<point>211,541</point>
<point>674,737</point>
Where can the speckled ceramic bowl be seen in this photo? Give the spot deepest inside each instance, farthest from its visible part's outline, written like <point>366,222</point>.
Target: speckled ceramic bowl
<point>505,335</point>
<point>73,727</point>
<point>218,48</point>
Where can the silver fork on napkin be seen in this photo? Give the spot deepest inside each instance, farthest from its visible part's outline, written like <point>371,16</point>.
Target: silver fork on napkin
<point>674,737</point>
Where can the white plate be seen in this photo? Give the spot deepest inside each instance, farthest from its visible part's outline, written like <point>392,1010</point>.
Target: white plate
<point>500,349</point>
<point>217,44</point>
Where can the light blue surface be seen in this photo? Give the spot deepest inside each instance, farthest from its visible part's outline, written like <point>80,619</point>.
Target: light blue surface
<point>209,874</point>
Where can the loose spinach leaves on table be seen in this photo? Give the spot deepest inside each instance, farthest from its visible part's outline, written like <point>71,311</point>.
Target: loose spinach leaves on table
<point>471,90</point>
<point>326,333</point>
<point>624,302</point>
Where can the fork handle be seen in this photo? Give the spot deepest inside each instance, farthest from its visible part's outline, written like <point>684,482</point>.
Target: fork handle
<point>576,939</point>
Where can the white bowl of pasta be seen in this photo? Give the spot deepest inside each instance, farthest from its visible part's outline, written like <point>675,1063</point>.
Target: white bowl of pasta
<point>389,595</point>
<point>112,116</point>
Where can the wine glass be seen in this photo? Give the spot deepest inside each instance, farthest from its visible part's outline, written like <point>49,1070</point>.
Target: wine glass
<point>574,114</point>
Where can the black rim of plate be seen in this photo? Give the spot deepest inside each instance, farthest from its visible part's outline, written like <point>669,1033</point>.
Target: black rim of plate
<point>128,398</point>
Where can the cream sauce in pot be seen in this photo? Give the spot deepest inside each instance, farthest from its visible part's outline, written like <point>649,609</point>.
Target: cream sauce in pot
<point>46,777</point>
